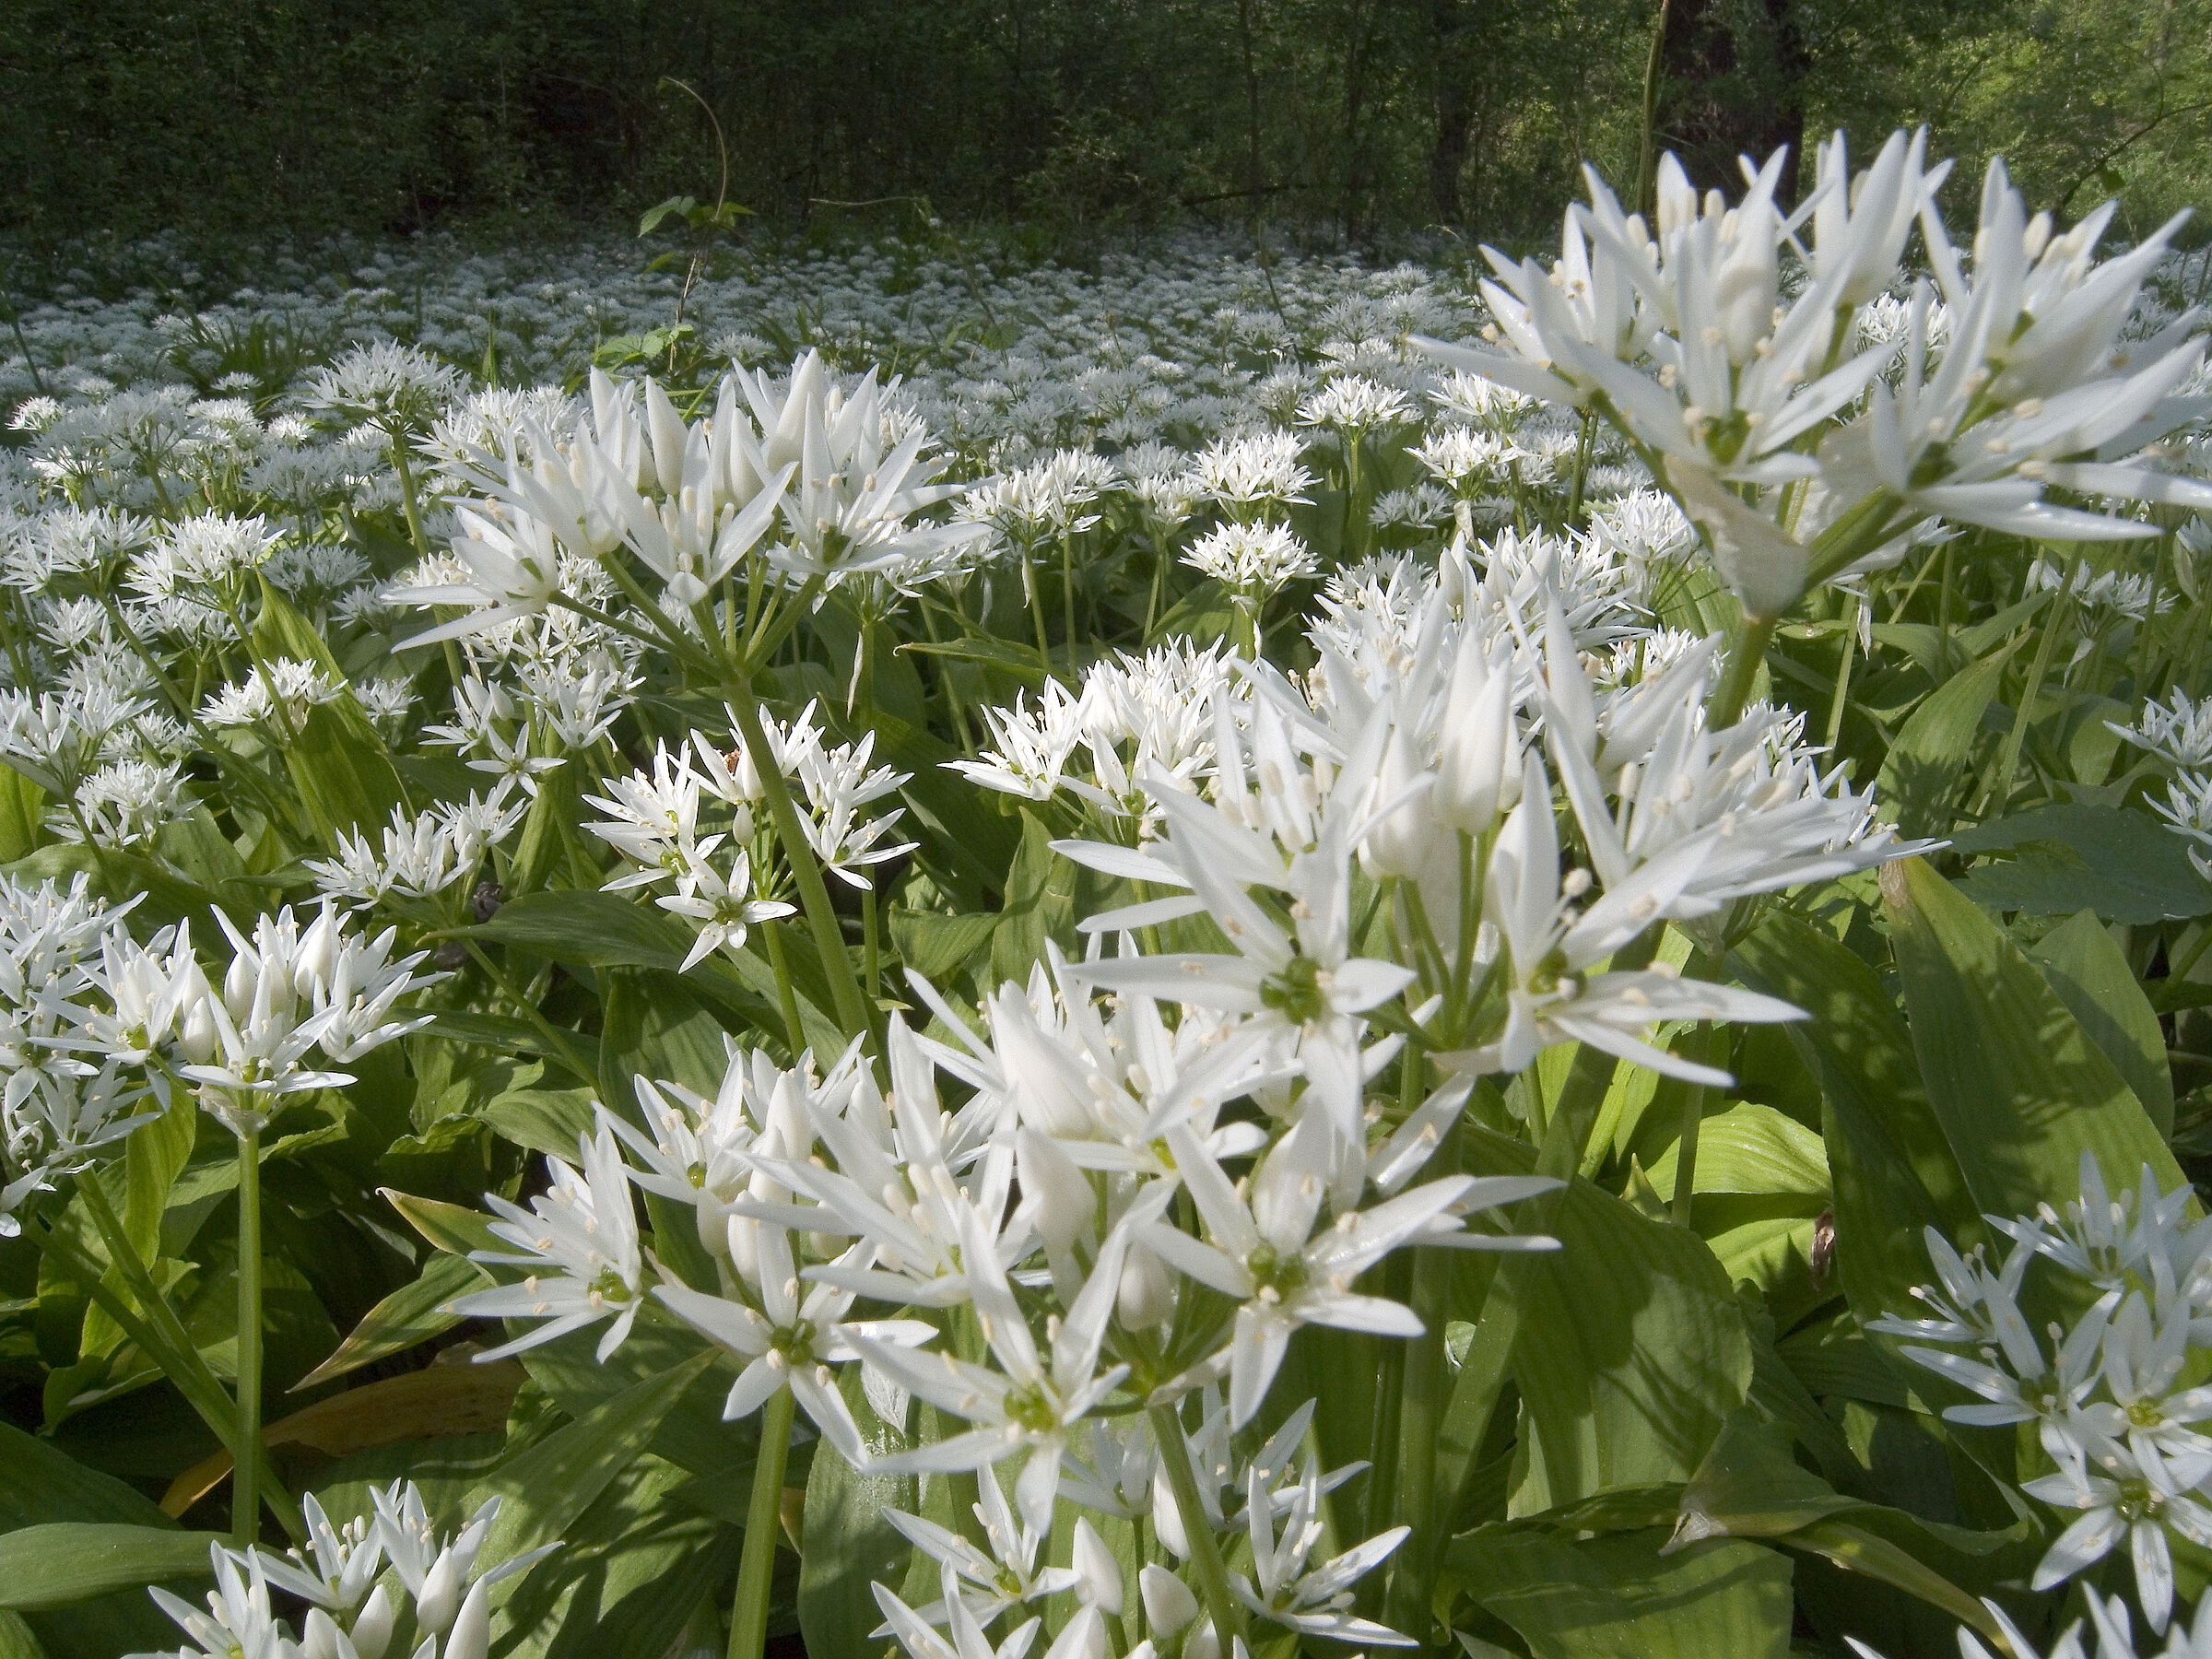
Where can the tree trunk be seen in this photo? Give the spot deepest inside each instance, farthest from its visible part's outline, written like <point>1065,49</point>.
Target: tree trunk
<point>1735,78</point>
<point>1451,24</point>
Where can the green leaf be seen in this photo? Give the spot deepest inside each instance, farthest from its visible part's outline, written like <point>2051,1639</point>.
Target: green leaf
<point>1625,1375</point>
<point>607,930</point>
<point>2019,1089</point>
<point>413,1314</point>
<point>1923,771</point>
<point>18,1639</point>
<point>1040,903</point>
<point>543,1489</point>
<point>1618,1597</point>
<point>345,775</point>
<point>65,1562</point>
<point>1014,660</point>
<point>630,1572</point>
<point>543,1120</point>
<point>1753,1149</point>
<point>934,945</point>
<point>22,816</point>
<point>2089,971</point>
<point>845,1543</point>
<point>2122,864</point>
<point>40,1483</point>
<point>1891,1172</point>
<point>448,1227</point>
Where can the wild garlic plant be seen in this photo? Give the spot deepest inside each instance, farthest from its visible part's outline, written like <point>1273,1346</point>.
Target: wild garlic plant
<point>1198,978</point>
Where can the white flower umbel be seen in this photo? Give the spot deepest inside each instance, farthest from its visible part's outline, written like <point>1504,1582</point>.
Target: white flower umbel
<point>580,1240</point>
<point>790,1340</point>
<point>1265,1255</point>
<point>1315,1602</point>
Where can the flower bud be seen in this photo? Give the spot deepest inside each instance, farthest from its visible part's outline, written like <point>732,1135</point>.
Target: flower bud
<point>372,1626</point>
<point>441,1593</point>
<point>1101,1573</point>
<point>471,1636</point>
<point>1400,842</point>
<point>1145,1300</point>
<point>1476,744</point>
<point>320,1637</point>
<point>1168,1604</point>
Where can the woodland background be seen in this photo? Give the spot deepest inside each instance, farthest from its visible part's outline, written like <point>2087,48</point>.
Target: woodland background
<point>1358,122</point>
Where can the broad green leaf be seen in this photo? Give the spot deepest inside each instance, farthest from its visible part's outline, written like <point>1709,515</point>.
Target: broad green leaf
<point>346,780</point>
<point>18,1639</point>
<point>845,1543</point>
<point>543,1120</point>
<point>632,1571</point>
<point>413,1314</point>
<point>1040,892</point>
<point>2121,864</point>
<point>545,1488</point>
<point>691,1432</point>
<point>64,1562</point>
<point>1618,1597</point>
<point>1625,1375</point>
<point>40,1483</point>
<point>22,816</point>
<point>1926,764</point>
<point>447,1227</point>
<point>1891,1171</point>
<point>1753,1149</point>
<point>606,930</point>
<point>935,946</point>
<point>2089,972</point>
<point>2019,1089</point>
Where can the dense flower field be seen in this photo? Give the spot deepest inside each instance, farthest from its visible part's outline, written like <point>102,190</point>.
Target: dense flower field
<point>1198,959</point>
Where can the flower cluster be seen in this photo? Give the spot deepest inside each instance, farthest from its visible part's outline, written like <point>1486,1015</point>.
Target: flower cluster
<point>2113,1411</point>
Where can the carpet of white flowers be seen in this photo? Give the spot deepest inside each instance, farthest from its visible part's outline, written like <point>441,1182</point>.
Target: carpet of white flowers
<point>1194,957</point>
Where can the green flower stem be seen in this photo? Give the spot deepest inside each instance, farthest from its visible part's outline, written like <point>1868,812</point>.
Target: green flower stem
<point>1028,592</point>
<point>155,1328</point>
<point>871,965</point>
<point>1838,702</point>
<point>807,873</point>
<point>245,1503</point>
<point>756,1567</point>
<point>406,497</point>
<point>1745,655</point>
<point>1390,1399</point>
<point>2055,624</point>
<point>772,932</point>
<point>1067,594</point>
<point>1686,1145</point>
<point>1428,1388</point>
<point>564,1049</point>
<point>1205,1549</point>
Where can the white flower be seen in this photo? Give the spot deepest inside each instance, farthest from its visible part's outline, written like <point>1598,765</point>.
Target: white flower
<point>790,1341</point>
<point>1317,1601</point>
<point>580,1239</point>
<point>1264,1253</point>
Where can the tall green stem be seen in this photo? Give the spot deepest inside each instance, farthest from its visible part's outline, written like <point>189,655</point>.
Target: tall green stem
<point>1205,1549</point>
<point>1067,594</point>
<point>1427,1388</point>
<point>786,996</point>
<point>406,497</point>
<point>756,1567</point>
<point>807,873</point>
<point>1028,592</point>
<point>245,1504</point>
<point>2055,624</point>
<point>1745,655</point>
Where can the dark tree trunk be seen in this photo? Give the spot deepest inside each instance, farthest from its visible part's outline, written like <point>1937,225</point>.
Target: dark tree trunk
<point>1735,78</point>
<point>1451,25</point>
